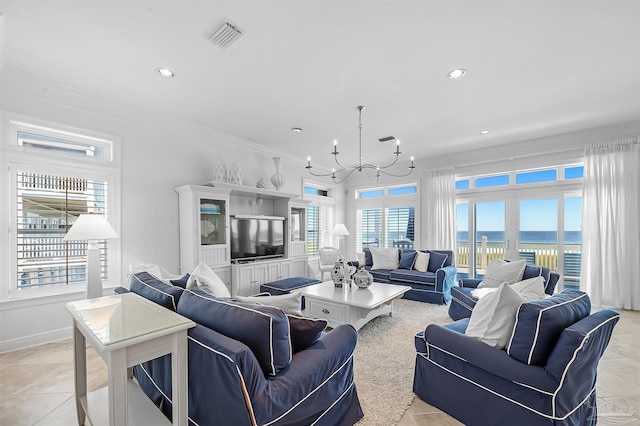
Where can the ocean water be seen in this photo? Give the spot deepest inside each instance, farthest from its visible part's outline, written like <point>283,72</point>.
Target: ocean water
<point>541,237</point>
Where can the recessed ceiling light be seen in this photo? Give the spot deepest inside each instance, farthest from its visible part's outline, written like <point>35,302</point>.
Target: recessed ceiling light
<point>484,132</point>
<point>165,72</point>
<point>457,73</point>
<point>296,130</point>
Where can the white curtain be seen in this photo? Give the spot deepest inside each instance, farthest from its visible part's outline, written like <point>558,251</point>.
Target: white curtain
<point>610,271</point>
<point>440,203</point>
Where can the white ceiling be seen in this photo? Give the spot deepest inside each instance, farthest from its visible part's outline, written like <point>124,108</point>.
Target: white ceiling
<point>535,68</point>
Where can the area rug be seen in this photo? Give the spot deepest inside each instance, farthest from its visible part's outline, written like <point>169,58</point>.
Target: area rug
<point>384,360</point>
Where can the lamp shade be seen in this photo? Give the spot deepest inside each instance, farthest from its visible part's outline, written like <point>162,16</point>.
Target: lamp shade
<point>91,227</point>
<point>340,230</point>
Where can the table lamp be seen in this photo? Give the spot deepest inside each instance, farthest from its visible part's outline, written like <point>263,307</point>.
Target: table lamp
<point>340,230</point>
<point>92,228</point>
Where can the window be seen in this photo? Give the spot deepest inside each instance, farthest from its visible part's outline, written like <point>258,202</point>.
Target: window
<point>54,176</point>
<point>540,223</point>
<point>488,181</point>
<point>320,217</point>
<point>47,205</point>
<point>388,219</point>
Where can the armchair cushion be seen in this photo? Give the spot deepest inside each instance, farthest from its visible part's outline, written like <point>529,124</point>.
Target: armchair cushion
<point>493,317</point>
<point>436,260</point>
<point>264,329</point>
<point>413,276</point>
<point>539,325</point>
<point>500,271</point>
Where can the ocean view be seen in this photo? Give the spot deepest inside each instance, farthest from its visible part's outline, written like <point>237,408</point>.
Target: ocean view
<point>541,237</point>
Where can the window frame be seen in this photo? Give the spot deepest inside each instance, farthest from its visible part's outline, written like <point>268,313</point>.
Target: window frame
<point>388,202</point>
<point>16,158</point>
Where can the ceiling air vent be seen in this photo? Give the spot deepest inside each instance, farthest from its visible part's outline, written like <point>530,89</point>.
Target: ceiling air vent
<point>225,34</point>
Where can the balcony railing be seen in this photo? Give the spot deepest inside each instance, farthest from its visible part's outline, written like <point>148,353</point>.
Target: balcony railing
<point>536,254</point>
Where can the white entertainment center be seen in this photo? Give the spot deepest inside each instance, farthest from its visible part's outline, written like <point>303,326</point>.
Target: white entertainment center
<point>205,234</point>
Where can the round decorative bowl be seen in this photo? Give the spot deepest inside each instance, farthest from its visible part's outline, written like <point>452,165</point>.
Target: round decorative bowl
<point>363,278</point>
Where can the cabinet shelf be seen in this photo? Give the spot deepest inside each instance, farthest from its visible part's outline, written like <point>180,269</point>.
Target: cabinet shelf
<point>251,191</point>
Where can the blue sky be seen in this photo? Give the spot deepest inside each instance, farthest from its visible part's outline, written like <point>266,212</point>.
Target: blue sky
<point>535,215</point>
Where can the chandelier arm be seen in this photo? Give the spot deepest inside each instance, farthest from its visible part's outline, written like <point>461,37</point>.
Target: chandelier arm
<point>319,174</point>
<point>395,175</point>
<point>338,180</point>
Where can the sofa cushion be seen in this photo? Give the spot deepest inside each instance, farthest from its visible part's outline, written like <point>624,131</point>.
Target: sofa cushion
<point>436,260</point>
<point>413,276</point>
<point>407,259</point>
<point>422,262</point>
<point>385,258</point>
<point>493,317</point>
<point>305,331</point>
<point>500,271</point>
<point>380,275</point>
<point>540,323</point>
<point>290,303</point>
<point>368,258</point>
<point>264,329</point>
<point>205,279</point>
<point>150,287</point>
<point>180,282</point>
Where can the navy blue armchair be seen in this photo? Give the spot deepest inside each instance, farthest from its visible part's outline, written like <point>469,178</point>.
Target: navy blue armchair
<point>545,376</point>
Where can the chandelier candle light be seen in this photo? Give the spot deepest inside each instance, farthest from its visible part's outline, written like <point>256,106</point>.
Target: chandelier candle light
<point>344,172</point>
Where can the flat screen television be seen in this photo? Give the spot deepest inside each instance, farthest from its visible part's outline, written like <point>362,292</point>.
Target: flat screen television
<point>256,237</point>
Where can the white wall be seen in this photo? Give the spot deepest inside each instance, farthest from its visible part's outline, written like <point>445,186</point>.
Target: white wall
<point>159,153</point>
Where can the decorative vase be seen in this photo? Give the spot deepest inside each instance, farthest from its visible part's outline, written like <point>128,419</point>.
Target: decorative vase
<point>235,174</point>
<point>220,170</point>
<point>337,274</point>
<point>278,178</point>
<point>363,278</point>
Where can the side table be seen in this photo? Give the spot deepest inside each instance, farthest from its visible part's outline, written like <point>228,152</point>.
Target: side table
<point>126,330</point>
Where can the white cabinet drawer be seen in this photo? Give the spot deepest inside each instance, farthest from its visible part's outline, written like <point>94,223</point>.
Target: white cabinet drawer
<point>333,312</point>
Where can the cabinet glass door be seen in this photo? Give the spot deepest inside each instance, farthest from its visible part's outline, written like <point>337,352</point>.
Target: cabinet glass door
<point>297,221</point>
<point>212,222</point>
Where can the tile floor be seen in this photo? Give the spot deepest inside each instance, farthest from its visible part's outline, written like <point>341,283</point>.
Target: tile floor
<point>36,384</point>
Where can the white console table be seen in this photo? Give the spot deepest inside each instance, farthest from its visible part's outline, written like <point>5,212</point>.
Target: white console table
<point>126,330</point>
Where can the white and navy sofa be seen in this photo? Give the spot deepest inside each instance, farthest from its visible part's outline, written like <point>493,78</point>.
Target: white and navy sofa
<point>252,365</point>
<point>546,375</point>
<point>432,286</point>
<point>463,302</point>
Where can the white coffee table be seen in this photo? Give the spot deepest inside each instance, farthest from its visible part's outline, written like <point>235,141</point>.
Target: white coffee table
<point>356,307</point>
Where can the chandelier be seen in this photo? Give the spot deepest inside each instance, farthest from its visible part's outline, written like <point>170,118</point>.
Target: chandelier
<point>343,172</point>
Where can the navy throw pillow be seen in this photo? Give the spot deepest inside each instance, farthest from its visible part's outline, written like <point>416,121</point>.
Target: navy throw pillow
<point>149,287</point>
<point>436,260</point>
<point>368,257</point>
<point>407,259</point>
<point>181,282</point>
<point>264,329</point>
<point>305,331</point>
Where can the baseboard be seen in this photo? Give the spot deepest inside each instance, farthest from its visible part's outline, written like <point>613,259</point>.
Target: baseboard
<point>34,340</point>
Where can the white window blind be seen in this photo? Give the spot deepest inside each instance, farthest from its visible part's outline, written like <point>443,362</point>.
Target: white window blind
<point>320,224</point>
<point>369,228</point>
<point>399,227</point>
<point>46,206</point>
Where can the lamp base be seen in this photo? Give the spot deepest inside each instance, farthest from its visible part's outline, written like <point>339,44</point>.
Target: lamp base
<point>94,276</point>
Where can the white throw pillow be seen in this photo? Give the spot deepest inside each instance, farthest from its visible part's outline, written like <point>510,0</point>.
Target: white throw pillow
<point>530,289</point>
<point>206,280</point>
<point>494,316</point>
<point>289,303</point>
<point>478,293</point>
<point>422,262</point>
<point>499,271</point>
<point>385,258</point>
<point>361,259</point>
